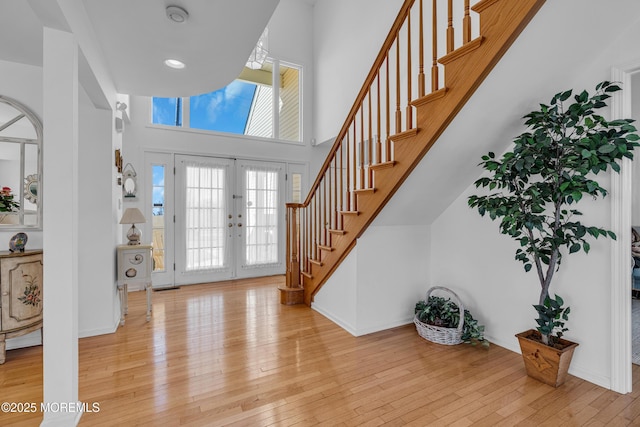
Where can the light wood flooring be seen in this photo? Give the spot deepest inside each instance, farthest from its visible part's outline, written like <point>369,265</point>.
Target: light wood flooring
<point>229,354</point>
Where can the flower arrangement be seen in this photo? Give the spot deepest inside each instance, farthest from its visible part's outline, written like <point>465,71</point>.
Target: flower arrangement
<point>7,203</point>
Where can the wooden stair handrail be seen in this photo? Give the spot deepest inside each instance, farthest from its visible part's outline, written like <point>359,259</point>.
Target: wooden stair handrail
<point>361,172</point>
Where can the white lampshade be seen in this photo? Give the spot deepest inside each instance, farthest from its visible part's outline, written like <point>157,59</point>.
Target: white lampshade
<point>133,216</point>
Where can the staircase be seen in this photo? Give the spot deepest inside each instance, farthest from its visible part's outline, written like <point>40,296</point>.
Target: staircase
<point>393,124</point>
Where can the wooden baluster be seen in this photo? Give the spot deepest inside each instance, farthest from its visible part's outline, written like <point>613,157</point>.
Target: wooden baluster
<point>308,235</point>
<point>409,110</point>
<point>450,43</point>
<point>370,146</point>
<point>421,79</point>
<point>466,24</point>
<point>387,148</point>
<point>398,128</point>
<point>434,37</point>
<point>348,175</point>
<point>334,216</point>
<point>341,205</point>
<point>354,166</point>
<point>316,229</point>
<point>323,206</point>
<point>378,142</point>
<point>329,196</point>
<point>312,229</point>
<point>327,208</point>
<point>303,238</point>
<point>362,142</point>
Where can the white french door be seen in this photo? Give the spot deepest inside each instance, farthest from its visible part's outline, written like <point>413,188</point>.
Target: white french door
<point>229,219</point>
<point>259,208</point>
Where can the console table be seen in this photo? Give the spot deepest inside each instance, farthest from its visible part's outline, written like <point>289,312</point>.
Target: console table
<point>134,267</point>
<point>20,295</point>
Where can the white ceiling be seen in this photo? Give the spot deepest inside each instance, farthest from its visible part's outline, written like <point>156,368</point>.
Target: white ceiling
<point>135,37</point>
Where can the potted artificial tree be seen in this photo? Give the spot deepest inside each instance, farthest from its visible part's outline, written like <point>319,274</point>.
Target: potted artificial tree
<point>534,189</point>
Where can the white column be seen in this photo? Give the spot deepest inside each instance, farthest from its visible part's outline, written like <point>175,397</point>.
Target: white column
<point>60,230</point>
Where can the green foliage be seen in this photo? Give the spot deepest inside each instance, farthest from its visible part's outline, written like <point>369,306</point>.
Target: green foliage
<point>551,318</point>
<point>534,189</point>
<point>439,311</point>
<point>7,202</point>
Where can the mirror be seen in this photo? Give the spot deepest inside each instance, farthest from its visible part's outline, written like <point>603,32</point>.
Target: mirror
<point>129,184</point>
<point>20,166</point>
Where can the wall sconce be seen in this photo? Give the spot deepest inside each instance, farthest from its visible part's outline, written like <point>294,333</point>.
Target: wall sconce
<point>122,108</point>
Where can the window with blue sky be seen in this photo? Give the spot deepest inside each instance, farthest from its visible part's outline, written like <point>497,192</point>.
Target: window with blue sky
<point>244,107</point>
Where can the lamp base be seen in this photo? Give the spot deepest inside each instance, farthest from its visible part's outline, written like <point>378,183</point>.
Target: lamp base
<point>133,235</point>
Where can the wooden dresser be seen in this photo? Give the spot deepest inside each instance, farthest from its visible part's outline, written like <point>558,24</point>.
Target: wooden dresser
<point>20,295</point>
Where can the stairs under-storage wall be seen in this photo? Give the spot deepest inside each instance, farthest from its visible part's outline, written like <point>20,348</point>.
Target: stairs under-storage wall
<point>408,99</point>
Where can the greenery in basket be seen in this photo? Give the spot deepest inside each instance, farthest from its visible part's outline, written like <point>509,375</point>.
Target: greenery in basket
<point>551,168</point>
<point>440,311</point>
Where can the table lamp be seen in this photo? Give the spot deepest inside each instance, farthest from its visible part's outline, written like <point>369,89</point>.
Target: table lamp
<point>133,216</point>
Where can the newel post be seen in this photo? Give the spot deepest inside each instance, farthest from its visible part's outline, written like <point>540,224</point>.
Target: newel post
<point>293,292</point>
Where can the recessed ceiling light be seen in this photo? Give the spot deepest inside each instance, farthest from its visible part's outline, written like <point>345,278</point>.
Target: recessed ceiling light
<point>174,63</point>
<point>177,14</point>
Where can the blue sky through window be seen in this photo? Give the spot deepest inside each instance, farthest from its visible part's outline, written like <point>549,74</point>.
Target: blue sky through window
<point>158,189</point>
<point>225,110</point>
<point>165,111</point>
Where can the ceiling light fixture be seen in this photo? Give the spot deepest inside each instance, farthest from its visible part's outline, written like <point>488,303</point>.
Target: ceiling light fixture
<point>174,63</point>
<point>260,52</point>
<point>177,14</point>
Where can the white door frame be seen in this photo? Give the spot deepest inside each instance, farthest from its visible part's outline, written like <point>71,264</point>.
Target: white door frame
<point>164,278</point>
<point>621,205</point>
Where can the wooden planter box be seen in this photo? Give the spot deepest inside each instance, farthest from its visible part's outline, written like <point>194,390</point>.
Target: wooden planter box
<point>546,364</point>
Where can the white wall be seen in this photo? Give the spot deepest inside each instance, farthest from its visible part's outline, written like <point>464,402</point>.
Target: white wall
<point>97,222</point>
<point>377,286</point>
<point>471,253</point>
<point>635,114</point>
<point>347,38</point>
<point>97,264</point>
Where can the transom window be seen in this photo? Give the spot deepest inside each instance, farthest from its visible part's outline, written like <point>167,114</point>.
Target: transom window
<point>263,103</point>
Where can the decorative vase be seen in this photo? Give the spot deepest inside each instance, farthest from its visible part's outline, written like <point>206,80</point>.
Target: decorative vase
<point>544,363</point>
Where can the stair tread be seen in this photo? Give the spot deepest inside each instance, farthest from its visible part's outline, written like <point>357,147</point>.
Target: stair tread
<point>350,212</point>
<point>365,190</point>
<point>325,248</point>
<point>404,135</point>
<point>383,165</point>
<point>335,231</point>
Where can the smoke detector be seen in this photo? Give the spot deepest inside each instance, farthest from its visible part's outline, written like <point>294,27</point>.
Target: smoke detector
<point>177,14</point>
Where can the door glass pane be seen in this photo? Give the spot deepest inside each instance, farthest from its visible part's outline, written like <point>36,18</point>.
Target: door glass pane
<point>158,222</point>
<point>261,233</point>
<point>205,217</point>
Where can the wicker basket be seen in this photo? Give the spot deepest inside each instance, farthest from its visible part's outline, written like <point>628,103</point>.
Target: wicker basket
<point>439,334</point>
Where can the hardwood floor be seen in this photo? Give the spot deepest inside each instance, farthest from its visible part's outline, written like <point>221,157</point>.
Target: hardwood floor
<point>229,354</point>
